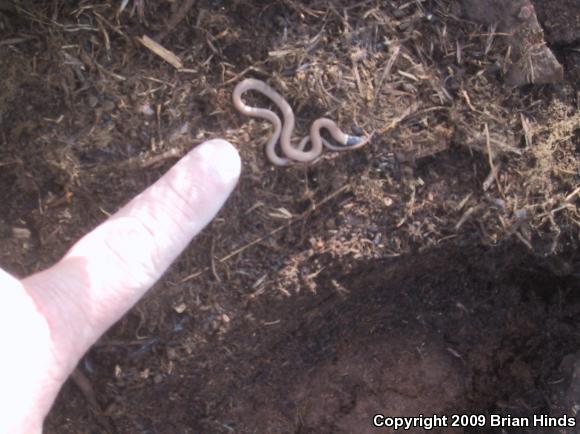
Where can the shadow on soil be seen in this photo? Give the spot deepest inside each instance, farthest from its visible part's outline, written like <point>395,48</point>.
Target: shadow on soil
<point>474,331</point>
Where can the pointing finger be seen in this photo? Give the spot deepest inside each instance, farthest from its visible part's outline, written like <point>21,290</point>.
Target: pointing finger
<point>109,269</point>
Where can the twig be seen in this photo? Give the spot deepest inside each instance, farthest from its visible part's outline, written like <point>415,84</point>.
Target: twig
<point>175,19</point>
<point>14,41</point>
<point>212,261</point>
<point>244,72</point>
<point>490,159</point>
<point>110,25</point>
<point>291,221</point>
<point>465,96</point>
<point>490,178</point>
<point>526,243</point>
<point>387,69</point>
<point>571,195</point>
<point>396,121</point>
<point>161,51</point>
<point>85,386</point>
<point>472,210</point>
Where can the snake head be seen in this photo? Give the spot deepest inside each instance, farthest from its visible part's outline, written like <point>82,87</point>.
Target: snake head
<point>353,140</point>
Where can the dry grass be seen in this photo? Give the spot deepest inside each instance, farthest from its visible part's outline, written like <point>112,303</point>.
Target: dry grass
<point>448,157</point>
<point>89,117</point>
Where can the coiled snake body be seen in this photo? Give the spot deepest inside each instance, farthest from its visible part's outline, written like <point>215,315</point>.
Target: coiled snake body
<point>284,132</point>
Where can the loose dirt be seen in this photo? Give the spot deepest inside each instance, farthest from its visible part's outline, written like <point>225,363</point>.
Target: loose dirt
<point>433,271</point>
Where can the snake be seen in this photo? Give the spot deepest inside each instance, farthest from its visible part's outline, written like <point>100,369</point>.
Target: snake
<point>283,132</point>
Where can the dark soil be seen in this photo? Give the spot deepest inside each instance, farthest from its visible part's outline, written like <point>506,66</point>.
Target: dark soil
<point>411,277</point>
<point>448,331</point>
<point>561,21</point>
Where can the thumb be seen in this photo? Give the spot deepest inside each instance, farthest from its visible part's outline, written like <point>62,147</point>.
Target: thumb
<point>108,270</point>
<point>26,344</point>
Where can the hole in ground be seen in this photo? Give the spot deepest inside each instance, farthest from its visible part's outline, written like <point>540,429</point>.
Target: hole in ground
<point>444,332</point>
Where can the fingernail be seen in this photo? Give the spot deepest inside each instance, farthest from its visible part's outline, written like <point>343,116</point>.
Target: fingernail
<point>222,158</point>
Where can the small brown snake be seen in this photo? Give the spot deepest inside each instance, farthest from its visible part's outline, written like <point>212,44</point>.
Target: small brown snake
<point>284,133</point>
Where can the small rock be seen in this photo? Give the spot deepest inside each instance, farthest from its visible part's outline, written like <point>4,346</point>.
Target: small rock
<point>330,223</point>
<point>357,131</point>
<point>21,233</point>
<point>92,101</point>
<point>108,106</point>
<point>526,12</point>
<point>172,354</point>
<point>180,308</point>
<point>145,109</point>
<point>531,62</point>
<point>537,66</point>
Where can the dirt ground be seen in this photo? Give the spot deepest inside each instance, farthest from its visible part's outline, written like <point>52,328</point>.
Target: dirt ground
<point>434,271</point>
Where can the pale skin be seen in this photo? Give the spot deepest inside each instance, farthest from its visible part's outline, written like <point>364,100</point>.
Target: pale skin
<point>50,319</point>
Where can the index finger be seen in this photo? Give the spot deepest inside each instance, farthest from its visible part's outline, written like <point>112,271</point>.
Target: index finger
<point>109,269</point>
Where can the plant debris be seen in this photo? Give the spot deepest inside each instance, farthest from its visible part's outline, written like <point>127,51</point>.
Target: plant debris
<point>471,153</point>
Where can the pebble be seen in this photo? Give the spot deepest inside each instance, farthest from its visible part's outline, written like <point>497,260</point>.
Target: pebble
<point>146,110</point>
<point>108,106</point>
<point>92,101</point>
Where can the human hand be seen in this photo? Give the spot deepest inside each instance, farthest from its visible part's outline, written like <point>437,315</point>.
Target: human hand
<point>50,319</point>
